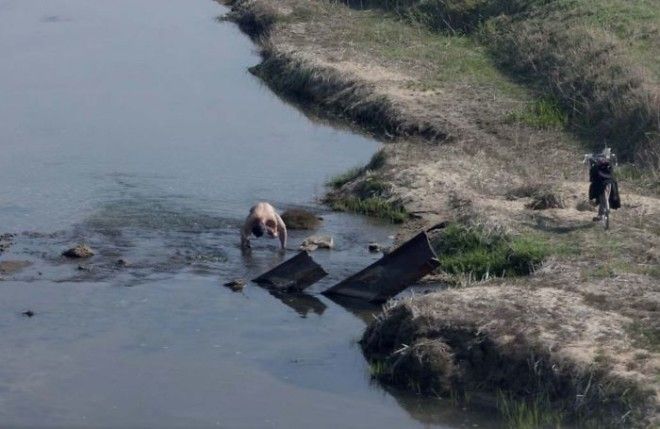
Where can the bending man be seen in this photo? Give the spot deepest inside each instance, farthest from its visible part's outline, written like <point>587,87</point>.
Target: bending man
<point>263,219</point>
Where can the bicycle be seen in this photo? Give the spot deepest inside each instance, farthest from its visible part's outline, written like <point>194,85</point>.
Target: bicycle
<point>601,176</point>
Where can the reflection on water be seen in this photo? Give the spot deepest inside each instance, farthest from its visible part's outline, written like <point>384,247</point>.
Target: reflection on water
<point>301,302</point>
<point>133,126</point>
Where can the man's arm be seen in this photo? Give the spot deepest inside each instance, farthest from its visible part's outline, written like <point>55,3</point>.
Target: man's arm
<point>245,233</point>
<point>281,230</point>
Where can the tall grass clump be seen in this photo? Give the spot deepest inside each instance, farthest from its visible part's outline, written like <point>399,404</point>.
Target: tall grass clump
<point>376,162</point>
<point>340,180</point>
<point>544,113</point>
<point>473,250</point>
<point>374,206</point>
<point>532,414</point>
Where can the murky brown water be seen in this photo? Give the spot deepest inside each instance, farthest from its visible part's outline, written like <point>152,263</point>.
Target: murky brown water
<point>134,126</point>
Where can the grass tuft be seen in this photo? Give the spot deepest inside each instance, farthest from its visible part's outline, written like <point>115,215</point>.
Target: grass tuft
<point>376,162</point>
<point>545,113</point>
<point>376,206</point>
<point>475,251</point>
<point>341,179</point>
<point>533,414</point>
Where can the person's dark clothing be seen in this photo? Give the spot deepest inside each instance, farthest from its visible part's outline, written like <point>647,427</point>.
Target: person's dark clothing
<point>600,175</point>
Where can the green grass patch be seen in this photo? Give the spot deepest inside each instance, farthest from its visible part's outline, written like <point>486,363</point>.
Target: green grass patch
<point>480,253</point>
<point>378,207</point>
<point>379,369</point>
<point>445,58</point>
<point>645,337</point>
<point>544,113</point>
<point>376,162</point>
<point>341,179</point>
<point>533,414</point>
<point>643,178</point>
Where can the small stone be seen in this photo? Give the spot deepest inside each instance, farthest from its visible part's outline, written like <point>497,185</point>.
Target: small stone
<point>236,285</point>
<point>121,262</point>
<point>28,313</point>
<point>80,251</point>
<point>374,247</point>
<point>317,242</point>
<point>308,247</point>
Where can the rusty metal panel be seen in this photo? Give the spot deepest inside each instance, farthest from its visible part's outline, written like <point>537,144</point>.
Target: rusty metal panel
<point>392,273</point>
<point>294,275</point>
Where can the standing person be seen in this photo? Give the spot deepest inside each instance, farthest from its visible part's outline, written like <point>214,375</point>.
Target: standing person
<point>263,219</point>
<point>603,188</point>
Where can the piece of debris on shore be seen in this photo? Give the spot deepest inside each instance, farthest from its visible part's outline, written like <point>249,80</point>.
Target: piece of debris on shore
<point>79,252</point>
<point>317,242</point>
<point>300,219</point>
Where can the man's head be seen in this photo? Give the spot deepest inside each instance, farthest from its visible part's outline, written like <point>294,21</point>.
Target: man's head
<point>271,228</point>
<point>258,229</point>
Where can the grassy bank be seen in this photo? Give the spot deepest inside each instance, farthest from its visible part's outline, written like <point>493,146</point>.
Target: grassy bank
<point>482,134</point>
<point>485,340</point>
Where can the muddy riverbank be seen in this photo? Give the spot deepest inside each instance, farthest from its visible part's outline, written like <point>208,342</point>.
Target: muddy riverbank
<point>466,146</point>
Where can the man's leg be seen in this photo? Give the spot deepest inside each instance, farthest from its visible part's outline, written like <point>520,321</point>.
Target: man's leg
<point>604,202</point>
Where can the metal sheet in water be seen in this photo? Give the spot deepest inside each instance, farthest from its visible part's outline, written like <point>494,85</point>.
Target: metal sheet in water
<point>392,273</point>
<point>296,274</point>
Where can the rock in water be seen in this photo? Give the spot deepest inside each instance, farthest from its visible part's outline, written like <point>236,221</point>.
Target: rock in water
<point>80,251</point>
<point>236,285</point>
<point>28,313</point>
<point>300,219</point>
<point>317,242</point>
<point>121,263</point>
<point>374,247</point>
<point>11,267</point>
<point>5,241</point>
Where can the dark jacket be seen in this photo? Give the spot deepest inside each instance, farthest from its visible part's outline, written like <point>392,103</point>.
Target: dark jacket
<point>600,176</point>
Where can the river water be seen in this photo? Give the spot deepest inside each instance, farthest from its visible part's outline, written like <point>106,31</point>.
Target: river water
<point>134,126</point>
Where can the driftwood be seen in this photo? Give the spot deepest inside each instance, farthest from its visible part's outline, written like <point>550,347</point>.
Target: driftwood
<point>293,275</point>
<point>392,273</point>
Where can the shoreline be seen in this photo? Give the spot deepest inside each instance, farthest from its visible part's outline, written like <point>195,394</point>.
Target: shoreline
<point>453,154</point>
